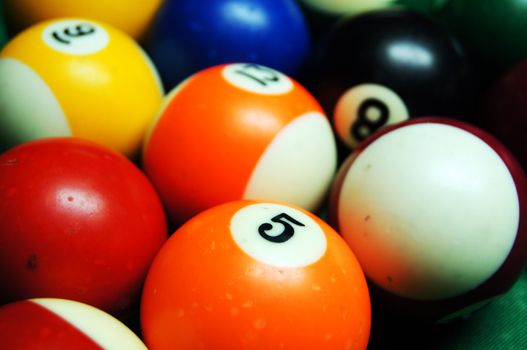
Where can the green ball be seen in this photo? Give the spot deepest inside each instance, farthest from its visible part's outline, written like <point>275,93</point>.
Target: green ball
<point>494,30</point>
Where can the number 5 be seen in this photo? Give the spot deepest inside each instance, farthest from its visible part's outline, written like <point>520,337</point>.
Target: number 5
<point>286,234</point>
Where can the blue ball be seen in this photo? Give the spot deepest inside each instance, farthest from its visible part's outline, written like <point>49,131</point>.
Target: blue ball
<point>188,36</point>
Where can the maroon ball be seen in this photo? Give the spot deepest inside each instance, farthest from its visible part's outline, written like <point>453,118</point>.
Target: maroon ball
<point>504,111</point>
<point>435,211</point>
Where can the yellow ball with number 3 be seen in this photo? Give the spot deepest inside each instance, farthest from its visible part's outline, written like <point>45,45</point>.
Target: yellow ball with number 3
<point>77,77</point>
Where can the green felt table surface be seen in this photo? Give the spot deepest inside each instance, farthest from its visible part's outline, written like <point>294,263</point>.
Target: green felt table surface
<point>499,325</point>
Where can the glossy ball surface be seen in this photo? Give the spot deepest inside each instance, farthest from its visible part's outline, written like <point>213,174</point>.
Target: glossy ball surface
<point>435,210</point>
<point>77,77</point>
<point>503,110</point>
<point>251,274</point>
<point>131,16</point>
<point>355,7</point>
<point>77,221</point>
<point>386,66</point>
<point>50,324</point>
<point>341,8</point>
<point>189,36</point>
<point>239,131</point>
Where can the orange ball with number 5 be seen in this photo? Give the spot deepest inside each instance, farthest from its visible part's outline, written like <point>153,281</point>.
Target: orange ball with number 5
<point>255,275</point>
<point>239,131</point>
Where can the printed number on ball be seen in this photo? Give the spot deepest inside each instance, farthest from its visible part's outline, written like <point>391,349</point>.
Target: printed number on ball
<point>75,37</point>
<point>364,109</point>
<point>278,235</point>
<point>256,78</point>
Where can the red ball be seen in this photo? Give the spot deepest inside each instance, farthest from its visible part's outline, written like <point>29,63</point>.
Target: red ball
<point>51,324</point>
<point>77,221</point>
<point>436,212</point>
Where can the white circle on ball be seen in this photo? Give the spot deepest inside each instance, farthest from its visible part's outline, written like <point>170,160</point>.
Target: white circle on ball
<point>21,121</point>
<point>430,210</point>
<point>257,78</point>
<point>292,162</point>
<point>364,109</point>
<point>278,235</point>
<point>102,328</point>
<point>75,37</point>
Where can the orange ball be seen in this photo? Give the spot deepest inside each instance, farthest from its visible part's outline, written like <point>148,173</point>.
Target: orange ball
<point>255,275</point>
<point>240,131</point>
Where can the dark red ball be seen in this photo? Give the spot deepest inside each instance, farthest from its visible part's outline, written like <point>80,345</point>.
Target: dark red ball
<point>504,110</point>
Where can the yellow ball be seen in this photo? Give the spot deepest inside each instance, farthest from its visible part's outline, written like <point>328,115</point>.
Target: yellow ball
<point>132,16</point>
<point>77,77</point>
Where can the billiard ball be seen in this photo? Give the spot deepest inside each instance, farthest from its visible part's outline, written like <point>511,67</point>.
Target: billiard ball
<point>386,66</point>
<point>50,324</point>
<point>490,29</point>
<point>77,221</point>
<point>250,274</point>
<point>77,77</point>
<point>322,15</point>
<point>341,8</point>
<point>435,210</point>
<point>188,36</point>
<point>131,16</point>
<point>239,131</point>
<point>503,110</point>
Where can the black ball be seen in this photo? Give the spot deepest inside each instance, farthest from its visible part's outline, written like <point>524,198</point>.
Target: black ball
<point>386,66</point>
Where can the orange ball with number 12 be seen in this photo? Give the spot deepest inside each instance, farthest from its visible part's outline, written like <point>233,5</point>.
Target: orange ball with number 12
<point>239,131</point>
